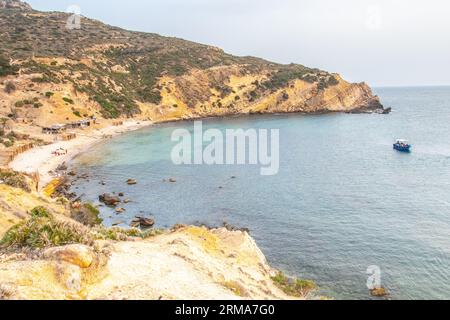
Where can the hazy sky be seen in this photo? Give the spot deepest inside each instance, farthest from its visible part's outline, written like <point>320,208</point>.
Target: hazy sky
<point>382,42</point>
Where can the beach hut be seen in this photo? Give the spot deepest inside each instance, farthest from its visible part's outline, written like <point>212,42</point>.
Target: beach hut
<point>54,129</point>
<point>80,124</point>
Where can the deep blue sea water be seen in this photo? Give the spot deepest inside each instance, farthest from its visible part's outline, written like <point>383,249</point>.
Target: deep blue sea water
<point>343,200</point>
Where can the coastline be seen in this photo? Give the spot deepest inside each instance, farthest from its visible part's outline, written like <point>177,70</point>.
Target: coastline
<point>202,255</point>
<point>41,159</point>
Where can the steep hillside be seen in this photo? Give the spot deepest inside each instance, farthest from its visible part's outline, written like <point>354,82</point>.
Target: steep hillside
<point>110,72</point>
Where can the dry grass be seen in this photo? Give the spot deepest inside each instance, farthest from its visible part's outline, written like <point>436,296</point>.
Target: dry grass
<point>44,230</point>
<point>6,292</point>
<point>236,288</point>
<point>14,179</point>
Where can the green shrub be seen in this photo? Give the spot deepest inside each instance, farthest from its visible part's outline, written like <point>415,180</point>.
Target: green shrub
<point>332,81</point>
<point>68,100</point>
<point>322,85</point>
<point>19,104</point>
<point>108,109</point>
<point>14,179</point>
<point>310,78</point>
<point>49,94</point>
<point>87,215</point>
<point>119,234</point>
<point>7,143</point>
<point>39,80</point>
<point>6,68</point>
<point>10,87</point>
<point>293,287</point>
<point>40,212</point>
<point>286,74</point>
<point>43,230</point>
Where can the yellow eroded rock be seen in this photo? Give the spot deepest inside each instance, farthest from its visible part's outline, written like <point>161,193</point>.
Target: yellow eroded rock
<point>76,254</point>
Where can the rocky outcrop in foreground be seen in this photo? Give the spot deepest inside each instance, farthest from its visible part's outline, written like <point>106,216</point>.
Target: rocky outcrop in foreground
<point>46,254</point>
<point>190,263</point>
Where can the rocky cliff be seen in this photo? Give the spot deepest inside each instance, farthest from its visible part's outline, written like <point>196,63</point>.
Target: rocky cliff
<point>110,72</point>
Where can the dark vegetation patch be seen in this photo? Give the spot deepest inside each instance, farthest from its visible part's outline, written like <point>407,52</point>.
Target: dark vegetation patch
<point>14,179</point>
<point>6,68</point>
<point>87,214</point>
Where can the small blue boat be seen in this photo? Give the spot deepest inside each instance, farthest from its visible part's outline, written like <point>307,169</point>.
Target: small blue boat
<point>402,146</point>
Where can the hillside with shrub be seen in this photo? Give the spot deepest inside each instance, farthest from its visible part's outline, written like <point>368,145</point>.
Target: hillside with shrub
<point>123,73</point>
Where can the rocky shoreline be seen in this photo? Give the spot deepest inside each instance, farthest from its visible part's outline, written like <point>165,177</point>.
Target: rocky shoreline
<point>58,250</point>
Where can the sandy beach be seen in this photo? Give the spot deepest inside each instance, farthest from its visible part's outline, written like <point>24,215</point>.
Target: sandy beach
<point>42,159</point>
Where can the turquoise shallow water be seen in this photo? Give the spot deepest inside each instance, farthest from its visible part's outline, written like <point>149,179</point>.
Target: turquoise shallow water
<point>342,201</point>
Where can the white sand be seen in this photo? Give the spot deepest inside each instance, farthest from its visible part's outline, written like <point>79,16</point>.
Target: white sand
<point>42,161</point>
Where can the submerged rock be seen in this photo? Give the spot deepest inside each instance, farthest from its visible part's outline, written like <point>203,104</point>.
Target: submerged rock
<point>131,182</point>
<point>142,222</point>
<point>387,110</point>
<point>379,292</point>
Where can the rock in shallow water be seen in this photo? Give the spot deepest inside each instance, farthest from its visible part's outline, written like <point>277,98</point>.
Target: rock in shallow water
<point>379,292</point>
<point>120,210</point>
<point>131,182</point>
<point>142,222</point>
<point>109,200</point>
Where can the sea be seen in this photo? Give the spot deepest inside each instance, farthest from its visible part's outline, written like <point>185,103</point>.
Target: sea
<point>342,205</point>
